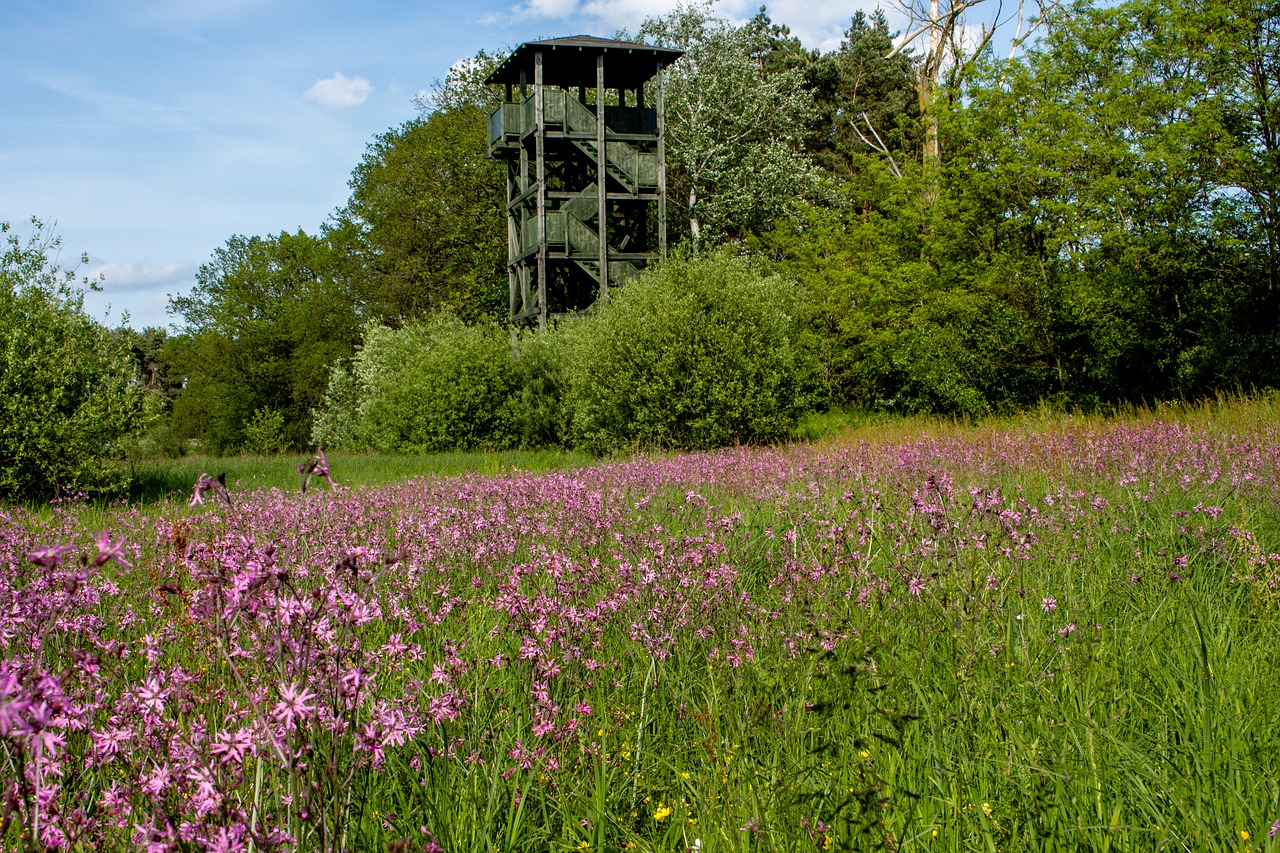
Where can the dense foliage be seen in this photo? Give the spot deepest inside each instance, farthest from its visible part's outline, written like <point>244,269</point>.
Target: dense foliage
<point>1088,220</point>
<point>703,353</point>
<point>1100,226</point>
<point>68,389</point>
<point>264,323</point>
<point>724,359</point>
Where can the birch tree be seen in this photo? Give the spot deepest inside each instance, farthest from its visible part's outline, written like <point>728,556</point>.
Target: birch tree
<point>947,36</point>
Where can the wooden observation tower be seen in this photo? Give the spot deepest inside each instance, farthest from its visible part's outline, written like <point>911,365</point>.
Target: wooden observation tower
<point>586,169</point>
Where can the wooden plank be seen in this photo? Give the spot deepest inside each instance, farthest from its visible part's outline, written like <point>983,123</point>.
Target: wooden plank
<point>513,243</point>
<point>602,211</point>
<point>662,167</point>
<point>540,131</point>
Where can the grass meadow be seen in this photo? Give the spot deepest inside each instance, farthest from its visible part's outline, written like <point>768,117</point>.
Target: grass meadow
<point>1042,633</point>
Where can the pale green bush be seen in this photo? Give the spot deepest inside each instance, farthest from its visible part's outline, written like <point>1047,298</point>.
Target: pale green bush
<point>702,352</point>
<point>438,385</point>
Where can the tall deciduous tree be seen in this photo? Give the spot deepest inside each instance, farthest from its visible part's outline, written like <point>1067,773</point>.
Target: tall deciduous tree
<point>1239,42</point>
<point>426,215</point>
<point>266,320</point>
<point>1119,156</point>
<point>68,390</point>
<point>735,127</point>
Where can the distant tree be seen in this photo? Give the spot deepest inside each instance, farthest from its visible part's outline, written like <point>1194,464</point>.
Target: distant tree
<point>68,390</point>
<point>1133,155</point>
<point>151,359</point>
<point>264,323</point>
<point>866,99</point>
<point>737,116</point>
<point>426,217</point>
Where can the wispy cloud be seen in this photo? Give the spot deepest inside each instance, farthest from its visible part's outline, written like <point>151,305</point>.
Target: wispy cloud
<point>339,91</point>
<point>544,9</point>
<point>139,290</point>
<point>143,275</point>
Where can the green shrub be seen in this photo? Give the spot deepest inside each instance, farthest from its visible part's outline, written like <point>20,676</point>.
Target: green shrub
<point>702,352</point>
<point>264,434</point>
<point>438,385</point>
<point>537,405</point>
<point>68,389</point>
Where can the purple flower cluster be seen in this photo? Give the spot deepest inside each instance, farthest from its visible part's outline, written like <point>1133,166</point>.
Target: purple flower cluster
<point>226,677</point>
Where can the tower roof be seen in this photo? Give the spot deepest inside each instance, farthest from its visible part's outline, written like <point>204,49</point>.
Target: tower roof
<point>571,61</point>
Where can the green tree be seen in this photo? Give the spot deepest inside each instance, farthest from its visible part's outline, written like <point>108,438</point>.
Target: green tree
<point>266,320</point>
<point>426,217</point>
<point>68,390</point>
<point>1117,157</point>
<point>724,357</point>
<point>735,127</point>
<point>866,99</point>
<point>1097,225</point>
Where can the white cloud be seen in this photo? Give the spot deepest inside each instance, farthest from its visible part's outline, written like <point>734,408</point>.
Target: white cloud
<point>140,289</point>
<point>143,275</point>
<point>339,91</point>
<point>821,23</point>
<point>544,9</point>
<point>612,15</point>
<point>817,23</point>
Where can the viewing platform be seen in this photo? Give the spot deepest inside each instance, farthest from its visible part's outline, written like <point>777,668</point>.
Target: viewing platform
<point>586,169</point>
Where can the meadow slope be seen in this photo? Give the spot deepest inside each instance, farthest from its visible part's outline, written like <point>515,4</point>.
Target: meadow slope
<point>1046,635</point>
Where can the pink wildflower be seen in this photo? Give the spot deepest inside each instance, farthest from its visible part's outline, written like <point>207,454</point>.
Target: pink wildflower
<point>294,705</point>
<point>108,550</point>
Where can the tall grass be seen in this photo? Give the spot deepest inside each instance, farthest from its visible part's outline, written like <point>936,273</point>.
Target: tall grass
<point>1035,634</point>
<point>156,479</point>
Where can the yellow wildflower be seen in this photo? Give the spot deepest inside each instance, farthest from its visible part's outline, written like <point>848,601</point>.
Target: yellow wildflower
<point>662,813</point>
<point>986,809</point>
<point>1244,835</point>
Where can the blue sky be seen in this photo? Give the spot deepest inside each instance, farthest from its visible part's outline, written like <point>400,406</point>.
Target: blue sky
<point>150,132</point>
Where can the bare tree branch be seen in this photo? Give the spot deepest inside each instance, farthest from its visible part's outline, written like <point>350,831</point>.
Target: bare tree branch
<point>877,146</point>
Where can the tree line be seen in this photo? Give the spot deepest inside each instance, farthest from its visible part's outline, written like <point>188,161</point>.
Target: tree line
<point>1089,221</point>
